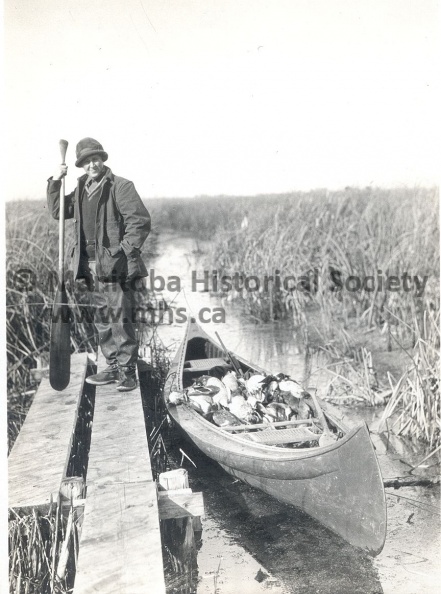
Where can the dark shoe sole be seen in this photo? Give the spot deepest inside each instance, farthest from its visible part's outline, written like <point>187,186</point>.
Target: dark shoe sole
<point>100,383</point>
<point>124,389</point>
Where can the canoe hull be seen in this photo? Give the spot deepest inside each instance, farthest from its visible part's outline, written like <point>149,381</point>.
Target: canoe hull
<point>340,485</point>
<point>345,492</point>
<point>351,505</point>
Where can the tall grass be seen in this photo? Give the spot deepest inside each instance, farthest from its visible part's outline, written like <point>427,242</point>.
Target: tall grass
<point>31,281</point>
<point>311,235</point>
<point>321,239</point>
<point>361,234</point>
<point>415,408</point>
<point>321,236</point>
<point>43,551</point>
<point>200,216</point>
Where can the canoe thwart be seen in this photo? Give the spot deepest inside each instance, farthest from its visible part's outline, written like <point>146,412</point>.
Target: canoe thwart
<point>204,364</point>
<point>253,426</point>
<point>279,436</point>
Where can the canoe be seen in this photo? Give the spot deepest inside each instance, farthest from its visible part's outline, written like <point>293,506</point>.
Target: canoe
<point>337,480</point>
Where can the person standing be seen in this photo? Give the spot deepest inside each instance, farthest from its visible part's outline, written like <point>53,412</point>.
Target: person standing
<point>111,226</point>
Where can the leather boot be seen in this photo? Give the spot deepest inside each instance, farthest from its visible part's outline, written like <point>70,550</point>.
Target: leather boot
<point>107,376</point>
<point>127,379</point>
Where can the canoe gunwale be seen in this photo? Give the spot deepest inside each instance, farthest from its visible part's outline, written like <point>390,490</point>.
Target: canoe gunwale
<point>197,424</point>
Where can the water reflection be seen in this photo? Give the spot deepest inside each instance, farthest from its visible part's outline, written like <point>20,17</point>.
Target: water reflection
<point>292,553</point>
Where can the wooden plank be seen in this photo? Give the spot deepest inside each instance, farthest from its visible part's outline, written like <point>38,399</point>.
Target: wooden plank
<point>184,491</point>
<point>180,505</point>
<point>120,545</point>
<point>120,541</point>
<point>38,460</point>
<point>119,451</point>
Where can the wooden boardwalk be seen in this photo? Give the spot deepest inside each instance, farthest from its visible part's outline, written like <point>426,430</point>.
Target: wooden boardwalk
<point>120,545</point>
<point>38,461</point>
<point>120,549</point>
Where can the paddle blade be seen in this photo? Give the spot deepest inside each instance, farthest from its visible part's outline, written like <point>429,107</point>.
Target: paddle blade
<point>59,361</point>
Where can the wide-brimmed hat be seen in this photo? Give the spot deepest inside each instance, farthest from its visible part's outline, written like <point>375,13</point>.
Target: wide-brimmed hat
<point>88,147</point>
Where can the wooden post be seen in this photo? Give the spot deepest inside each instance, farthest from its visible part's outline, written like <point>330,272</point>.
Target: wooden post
<point>72,488</point>
<point>174,479</point>
<point>178,532</point>
<point>72,491</point>
<point>173,488</point>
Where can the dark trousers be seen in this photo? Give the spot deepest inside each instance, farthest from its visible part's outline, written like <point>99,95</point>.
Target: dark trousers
<point>114,317</point>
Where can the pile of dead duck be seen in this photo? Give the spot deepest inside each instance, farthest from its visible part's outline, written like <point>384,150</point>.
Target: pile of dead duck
<point>252,398</point>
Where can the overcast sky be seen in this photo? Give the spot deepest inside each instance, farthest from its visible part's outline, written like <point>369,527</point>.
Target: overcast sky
<point>224,96</point>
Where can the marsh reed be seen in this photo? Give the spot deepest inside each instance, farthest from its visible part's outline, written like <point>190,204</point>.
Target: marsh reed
<point>43,551</point>
<point>321,239</point>
<point>414,407</point>
<point>31,281</point>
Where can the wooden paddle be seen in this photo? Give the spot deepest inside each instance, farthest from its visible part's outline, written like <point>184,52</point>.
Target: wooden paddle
<point>235,364</point>
<point>327,436</point>
<point>59,361</point>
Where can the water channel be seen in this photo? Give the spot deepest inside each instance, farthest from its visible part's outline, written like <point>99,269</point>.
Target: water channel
<point>250,542</point>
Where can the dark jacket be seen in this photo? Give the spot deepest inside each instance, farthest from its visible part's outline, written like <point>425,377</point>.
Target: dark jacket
<point>122,226</point>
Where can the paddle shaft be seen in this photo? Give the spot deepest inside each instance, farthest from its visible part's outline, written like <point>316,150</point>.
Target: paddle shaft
<point>59,356</point>
<point>320,415</point>
<point>232,359</point>
<point>63,149</point>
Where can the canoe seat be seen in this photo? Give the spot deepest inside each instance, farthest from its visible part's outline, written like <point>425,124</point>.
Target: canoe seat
<point>279,436</point>
<point>204,364</point>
